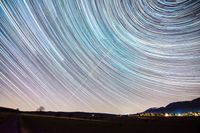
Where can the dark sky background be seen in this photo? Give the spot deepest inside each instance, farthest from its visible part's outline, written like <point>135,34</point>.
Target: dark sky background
<point>114,56</point>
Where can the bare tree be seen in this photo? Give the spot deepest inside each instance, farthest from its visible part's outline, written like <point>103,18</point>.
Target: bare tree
<point>41,108</point>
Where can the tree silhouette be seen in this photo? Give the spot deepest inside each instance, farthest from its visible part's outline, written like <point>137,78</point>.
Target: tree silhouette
<point>41,108</point>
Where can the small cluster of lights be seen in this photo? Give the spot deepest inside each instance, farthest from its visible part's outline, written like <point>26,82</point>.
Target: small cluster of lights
<point>196,114</point>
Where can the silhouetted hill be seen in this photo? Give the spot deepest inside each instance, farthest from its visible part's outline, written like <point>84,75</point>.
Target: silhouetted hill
<point>4,109</point>
<point>84,115</point>
<point>178,107</point>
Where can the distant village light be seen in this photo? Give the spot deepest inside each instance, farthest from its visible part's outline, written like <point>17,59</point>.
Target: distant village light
<point>166,114</point>
<point>179,114</point>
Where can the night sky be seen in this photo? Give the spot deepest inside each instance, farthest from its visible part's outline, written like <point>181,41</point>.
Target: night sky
<point>114,56</point>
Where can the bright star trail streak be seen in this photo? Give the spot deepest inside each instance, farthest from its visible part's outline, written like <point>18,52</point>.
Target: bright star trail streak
<point>115,56</point>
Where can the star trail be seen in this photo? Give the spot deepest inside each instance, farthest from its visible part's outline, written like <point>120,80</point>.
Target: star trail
<point>115,56</point>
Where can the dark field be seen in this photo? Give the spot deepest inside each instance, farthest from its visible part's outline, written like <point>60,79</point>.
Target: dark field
<point>33,123</point>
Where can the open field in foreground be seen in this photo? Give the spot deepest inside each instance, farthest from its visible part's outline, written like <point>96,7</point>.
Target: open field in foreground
<point>34,123</point>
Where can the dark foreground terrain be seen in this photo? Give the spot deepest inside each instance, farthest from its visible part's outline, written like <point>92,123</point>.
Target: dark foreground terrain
<point>23,122</point>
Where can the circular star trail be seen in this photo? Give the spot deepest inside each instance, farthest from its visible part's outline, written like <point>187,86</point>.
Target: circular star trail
<point>116,56</point>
